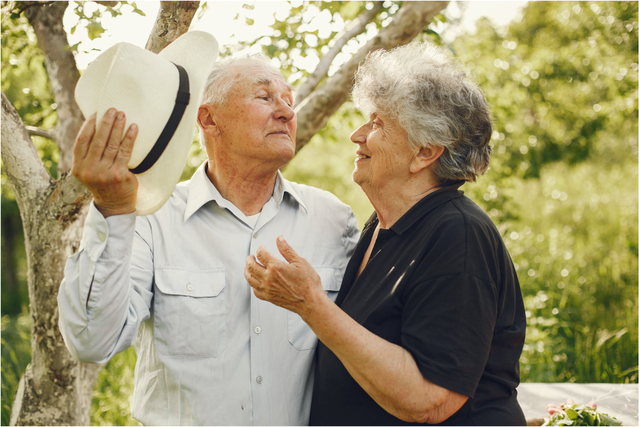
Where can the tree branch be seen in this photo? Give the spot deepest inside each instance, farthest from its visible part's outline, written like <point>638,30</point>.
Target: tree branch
<point>67,199</point>
<point>356,27</point>
<point>32,130</point>
<point>107,3</point>
<point>23,166</point>
<point>174,19</point>
<point>46,20</point>
<point>316,109</point>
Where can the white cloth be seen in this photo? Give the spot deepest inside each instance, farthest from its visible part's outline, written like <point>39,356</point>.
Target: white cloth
<point>209,352</point>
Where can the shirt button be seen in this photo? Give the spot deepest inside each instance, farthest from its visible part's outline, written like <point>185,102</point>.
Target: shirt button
<point>257,329</point>
<point>255,235</point>
<point>101,236</point>
<point>259,379</point>
<point>189,287</point>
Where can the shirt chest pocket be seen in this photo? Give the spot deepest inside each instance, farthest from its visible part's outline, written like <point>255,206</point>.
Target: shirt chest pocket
<point>300,335</point>
<point>190,312</point>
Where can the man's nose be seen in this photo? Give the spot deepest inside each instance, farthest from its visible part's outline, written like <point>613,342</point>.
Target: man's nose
<point>284,111</point>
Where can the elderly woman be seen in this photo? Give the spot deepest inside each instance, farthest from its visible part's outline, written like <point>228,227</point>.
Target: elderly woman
<point>429,323</point>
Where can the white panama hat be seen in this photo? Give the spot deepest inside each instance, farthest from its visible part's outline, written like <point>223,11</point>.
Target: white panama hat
<point>149,89</point>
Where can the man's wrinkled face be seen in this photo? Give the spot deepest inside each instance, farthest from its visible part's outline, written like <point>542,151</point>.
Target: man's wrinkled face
<point>257,120</point>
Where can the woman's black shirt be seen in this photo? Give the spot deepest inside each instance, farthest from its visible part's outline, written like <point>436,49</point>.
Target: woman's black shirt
<point>441,284</point>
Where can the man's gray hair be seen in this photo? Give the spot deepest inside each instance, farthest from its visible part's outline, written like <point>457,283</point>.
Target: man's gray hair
<point>421,86</point>
<point>220,82</point>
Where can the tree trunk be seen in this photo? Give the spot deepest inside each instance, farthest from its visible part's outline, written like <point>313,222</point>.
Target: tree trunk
<point>174,19</point>
<point>46,20</point>
<point>55,389</point>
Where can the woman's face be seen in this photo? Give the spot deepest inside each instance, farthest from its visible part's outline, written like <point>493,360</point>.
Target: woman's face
<point>383,153</point>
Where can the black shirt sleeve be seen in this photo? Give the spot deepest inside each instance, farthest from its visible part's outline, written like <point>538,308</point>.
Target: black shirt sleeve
<point>447,326</point>
<point>450,305</point>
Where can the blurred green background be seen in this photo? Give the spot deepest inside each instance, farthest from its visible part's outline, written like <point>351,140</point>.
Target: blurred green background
<point>562,188</point>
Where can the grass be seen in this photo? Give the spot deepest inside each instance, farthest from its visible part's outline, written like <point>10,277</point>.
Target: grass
<point>16,355</point>
<point>113,393</point>
<point>576,249</point>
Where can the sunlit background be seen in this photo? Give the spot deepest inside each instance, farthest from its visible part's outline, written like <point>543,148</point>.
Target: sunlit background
<point>562,79</point>
<point>220,19</point>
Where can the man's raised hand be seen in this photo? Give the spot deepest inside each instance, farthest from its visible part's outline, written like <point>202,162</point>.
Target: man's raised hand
<point>100,159</point>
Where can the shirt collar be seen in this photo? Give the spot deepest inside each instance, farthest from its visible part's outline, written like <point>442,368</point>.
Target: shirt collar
<point>202,191</point>
<point>284,186</point>
<point>420,209</point>
<point>426,205</point>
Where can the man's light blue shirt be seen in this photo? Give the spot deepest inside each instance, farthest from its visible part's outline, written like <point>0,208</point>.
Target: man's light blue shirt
<point>172,283</point>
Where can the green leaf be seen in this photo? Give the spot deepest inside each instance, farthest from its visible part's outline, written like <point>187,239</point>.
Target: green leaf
<point>589,418</point>
<point>74,47</point>
<point>94,30</point>
<point>608,420</point>
<point>573,415</point>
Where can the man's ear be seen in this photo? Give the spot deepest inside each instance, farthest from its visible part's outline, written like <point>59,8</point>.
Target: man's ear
<point>208,121</point>
<point>425,157</point>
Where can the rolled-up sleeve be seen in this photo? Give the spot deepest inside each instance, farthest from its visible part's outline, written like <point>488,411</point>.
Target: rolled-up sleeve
<point>107,287</point>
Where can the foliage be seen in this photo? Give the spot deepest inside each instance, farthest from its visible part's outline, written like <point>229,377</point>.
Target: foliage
<point>92,21</point>
<point>16,355</point>
<point>308,32</point>
<point>562,83</point>
<point>25,83</point>
<point>581,415</point>
<point>113,393</point>
<point>24,76</point>
<point>575,247</point>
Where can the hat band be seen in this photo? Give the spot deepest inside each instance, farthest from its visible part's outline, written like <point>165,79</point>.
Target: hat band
<point>182,100</point>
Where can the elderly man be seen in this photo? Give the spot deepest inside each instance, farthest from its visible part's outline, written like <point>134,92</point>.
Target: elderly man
<point>209,351</point>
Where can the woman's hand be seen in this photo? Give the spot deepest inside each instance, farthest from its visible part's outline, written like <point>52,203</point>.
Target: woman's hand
<point>293,285</point>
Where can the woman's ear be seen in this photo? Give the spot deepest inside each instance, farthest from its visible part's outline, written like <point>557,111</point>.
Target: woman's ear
<point>207,120</point>
<point>425,157</point>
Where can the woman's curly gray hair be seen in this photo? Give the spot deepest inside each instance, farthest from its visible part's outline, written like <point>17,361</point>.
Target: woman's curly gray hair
<point>421,86</point>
